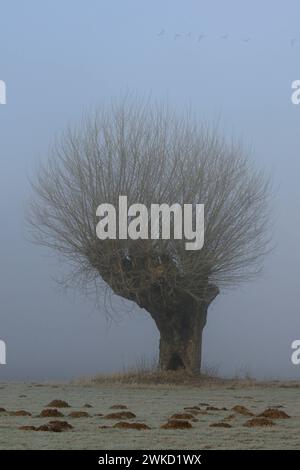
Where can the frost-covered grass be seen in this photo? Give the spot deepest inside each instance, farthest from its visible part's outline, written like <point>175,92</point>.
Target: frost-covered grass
<point>152,404</point>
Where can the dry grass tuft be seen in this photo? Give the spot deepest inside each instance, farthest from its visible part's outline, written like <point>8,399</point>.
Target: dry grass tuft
<point>145,374</point>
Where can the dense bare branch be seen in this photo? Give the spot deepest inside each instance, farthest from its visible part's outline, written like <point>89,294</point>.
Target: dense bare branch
<point>151,155</point>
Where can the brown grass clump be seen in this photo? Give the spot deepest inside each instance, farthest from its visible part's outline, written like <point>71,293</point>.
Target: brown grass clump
<point>2,410</point>
<point>273,413</point>
<point>125,425</point>
<point>182,416</point>
<point>143,376</point>
<point>87,405</point>
<point>118,407</point>
<point>20,413</point>
<point>50,413</point>
<point>220,425</point>
<point>242,410</point>
<point>177,424</point>
<point>58,404</point>
<point>120,415</point>
<point>78,414</point>
<point>254,422</point>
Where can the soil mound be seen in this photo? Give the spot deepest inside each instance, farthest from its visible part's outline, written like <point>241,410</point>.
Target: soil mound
<point>78,414</point>
<point>182,416</point>
<point>255,422</point>
<point>242,410</point>
<point>20,413</point>
<point>177,424</point>
<point>273,413</point>
<point>120,415</point>
<point>50,413</point>
<point>58,404</point>
<point>220,425</point>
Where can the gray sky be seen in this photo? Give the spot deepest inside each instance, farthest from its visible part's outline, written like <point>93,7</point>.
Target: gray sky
<point>61,58</point>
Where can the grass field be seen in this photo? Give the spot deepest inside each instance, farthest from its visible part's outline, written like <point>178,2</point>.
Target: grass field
<point>153,404</point>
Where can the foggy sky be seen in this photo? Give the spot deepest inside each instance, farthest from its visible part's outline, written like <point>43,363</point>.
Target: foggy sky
<point>61,58</point>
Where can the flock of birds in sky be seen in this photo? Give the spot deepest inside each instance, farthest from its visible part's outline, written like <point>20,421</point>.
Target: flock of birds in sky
<point>224,37</point>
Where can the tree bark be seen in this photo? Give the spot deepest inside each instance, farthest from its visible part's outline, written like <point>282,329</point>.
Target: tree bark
<point>180,341</point>
<point>180,325</point>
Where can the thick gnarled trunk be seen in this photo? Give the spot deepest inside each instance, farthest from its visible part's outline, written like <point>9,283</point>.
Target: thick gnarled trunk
<point>181,341</point>
<point>180,325</point>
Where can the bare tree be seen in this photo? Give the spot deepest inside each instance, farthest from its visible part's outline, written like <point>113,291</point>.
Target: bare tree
<point>153,156</point>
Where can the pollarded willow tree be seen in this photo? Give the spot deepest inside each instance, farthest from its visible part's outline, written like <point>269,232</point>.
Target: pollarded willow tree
<point>152,155</point>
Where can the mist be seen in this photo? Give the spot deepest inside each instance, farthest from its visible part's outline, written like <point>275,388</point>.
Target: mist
<point>233,64</point>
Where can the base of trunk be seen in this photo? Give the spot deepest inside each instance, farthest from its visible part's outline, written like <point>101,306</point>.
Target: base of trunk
<point>180,323</point>
<point>180,343</point>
